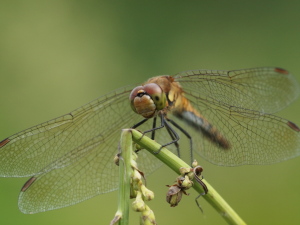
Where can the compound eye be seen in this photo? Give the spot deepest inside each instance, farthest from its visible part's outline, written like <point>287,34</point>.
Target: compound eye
<point>135,92</point>
<point>157,95</point>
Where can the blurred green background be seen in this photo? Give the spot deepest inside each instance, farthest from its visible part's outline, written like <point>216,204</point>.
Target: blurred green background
<point>58,55</point>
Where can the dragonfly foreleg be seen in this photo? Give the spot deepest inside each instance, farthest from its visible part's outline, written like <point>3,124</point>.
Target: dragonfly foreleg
<point>139,123</point>
<point>174,136</point>
<point>154,124</point>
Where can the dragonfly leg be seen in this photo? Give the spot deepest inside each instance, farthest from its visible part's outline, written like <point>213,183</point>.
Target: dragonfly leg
<point>186,134</point>
<point>173,135</point>
<point>139,123</point>
<point>176,143</point>
<point>196,200</point>
<point>153,126</point>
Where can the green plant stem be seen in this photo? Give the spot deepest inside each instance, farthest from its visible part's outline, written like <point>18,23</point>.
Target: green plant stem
<point>172,161</point>
<point>125,172</point>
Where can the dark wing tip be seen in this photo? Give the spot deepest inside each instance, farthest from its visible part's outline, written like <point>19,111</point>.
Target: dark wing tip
<point>282,71</point>
<point>293,126</point>
<point>28,183</point>
<point>4,142</point>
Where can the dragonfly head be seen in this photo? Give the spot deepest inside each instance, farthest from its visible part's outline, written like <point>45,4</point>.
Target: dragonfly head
<point>147,100</point>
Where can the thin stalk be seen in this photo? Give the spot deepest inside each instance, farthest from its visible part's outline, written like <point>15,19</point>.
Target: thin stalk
<point>172,161</point>
<point>125,171</point>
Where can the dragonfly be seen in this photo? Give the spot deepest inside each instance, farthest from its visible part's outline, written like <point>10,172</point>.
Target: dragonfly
<point>229,116</point>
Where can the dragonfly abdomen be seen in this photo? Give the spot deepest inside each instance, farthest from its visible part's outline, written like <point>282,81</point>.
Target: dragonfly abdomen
<point>199,123</point>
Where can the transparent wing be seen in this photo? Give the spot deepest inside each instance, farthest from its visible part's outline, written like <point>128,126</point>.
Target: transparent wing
<point>264,89</point>
<point>227,99</point>
<point>71,157</point>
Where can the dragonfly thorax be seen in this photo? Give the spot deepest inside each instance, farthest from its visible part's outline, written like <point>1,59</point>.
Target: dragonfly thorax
<point>147,100</point>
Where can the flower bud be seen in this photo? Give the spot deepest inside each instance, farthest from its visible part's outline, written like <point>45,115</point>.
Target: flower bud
<point>133,192</point>
<point>195,163</point>
<point>187,183</point>
<point>184,170</point>
<point>134,156</point>
<point>138,204</point>
<point>133,164</point>
<point>117,159</point>
<point>136,176</point>
<point>148,195</point>
<point>174,195</point>
<point>148,217</point>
